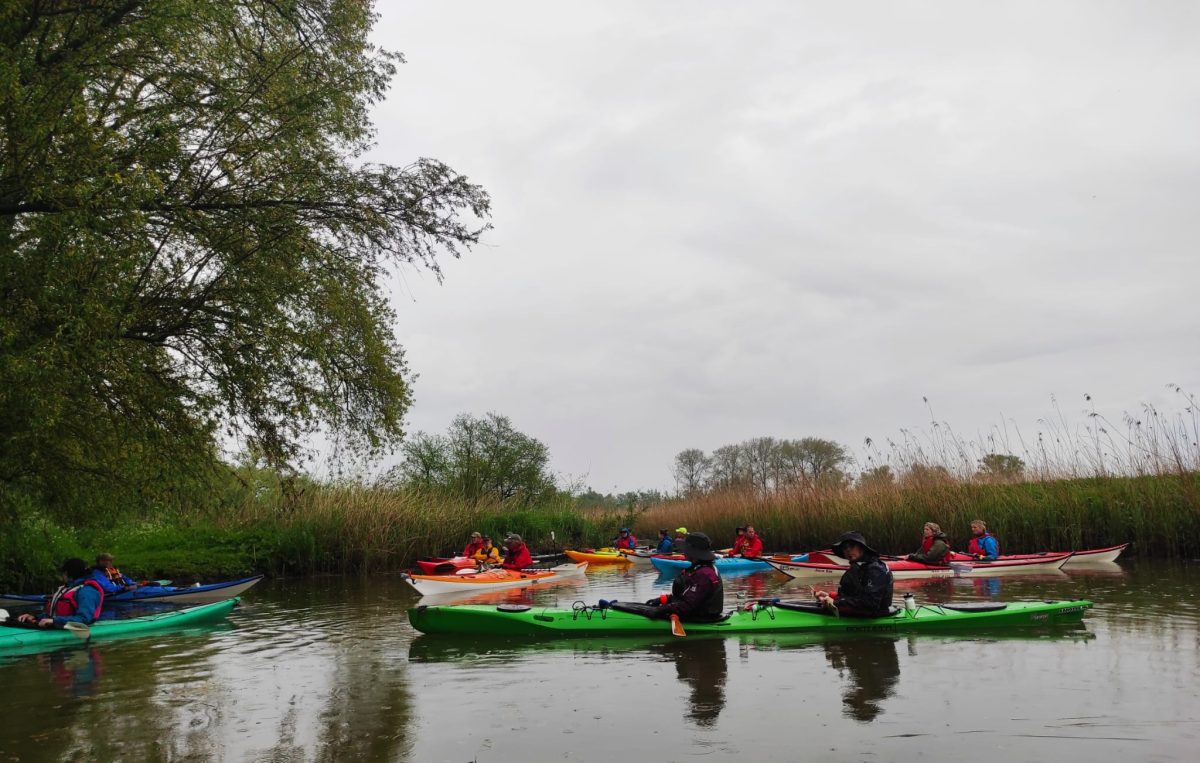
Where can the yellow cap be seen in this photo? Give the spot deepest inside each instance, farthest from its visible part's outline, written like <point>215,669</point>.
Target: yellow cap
<point>681,530</point>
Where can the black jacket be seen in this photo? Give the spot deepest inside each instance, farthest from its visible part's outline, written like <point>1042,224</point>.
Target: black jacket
<point>866,588</point>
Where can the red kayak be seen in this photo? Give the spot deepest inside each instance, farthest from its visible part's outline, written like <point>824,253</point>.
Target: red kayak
<point>906,569</point>
<point>1091,556</point>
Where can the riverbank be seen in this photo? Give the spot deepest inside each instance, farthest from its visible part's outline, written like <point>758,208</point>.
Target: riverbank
<point>1159,514</point>
<point>351,529</point>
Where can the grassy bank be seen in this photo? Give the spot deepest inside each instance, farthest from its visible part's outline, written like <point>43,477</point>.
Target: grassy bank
<point>323,530</point>
<point>345,529</point>
<point>1159,514</point>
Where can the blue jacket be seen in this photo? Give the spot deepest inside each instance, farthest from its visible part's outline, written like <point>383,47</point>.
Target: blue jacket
<point>665,546</point>
<point>110,587</point>
<point>985,545</point>
<point>88,601</point>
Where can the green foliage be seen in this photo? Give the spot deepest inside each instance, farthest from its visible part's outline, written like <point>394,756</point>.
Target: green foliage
<point>191,246</point>
<point>763,463</point>
<point>481,460</point>
<point>1000,467</point>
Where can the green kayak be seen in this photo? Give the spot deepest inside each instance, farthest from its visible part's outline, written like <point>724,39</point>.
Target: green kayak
<point>36,639</point>
<point>765,617</point>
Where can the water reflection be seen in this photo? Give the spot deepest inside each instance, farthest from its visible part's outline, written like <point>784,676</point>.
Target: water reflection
<point>870,669</point>
<point>76,673</point>
<point>701,665</point>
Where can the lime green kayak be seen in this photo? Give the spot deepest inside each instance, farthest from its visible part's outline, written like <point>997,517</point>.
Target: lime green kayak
<point>34,639</point>
<point>769,617</point>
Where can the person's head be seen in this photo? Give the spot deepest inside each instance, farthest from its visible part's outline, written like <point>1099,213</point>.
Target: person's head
<point>739,531</point>
<point>697,547</point>
<point>476,537</point>
<point>513,540</point>
<point>104,561</point>
<point>932,529</point>
<point>853,546</point>
<point>663,533</point>
<point>74,568</point>
<point>749,531</point>
<point>978,527</point>
<point>487,541</point>
<point>624,531</point>
<point>681,532</point>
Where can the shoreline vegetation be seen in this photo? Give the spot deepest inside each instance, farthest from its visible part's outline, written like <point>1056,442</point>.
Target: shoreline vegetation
<point>355,529</point>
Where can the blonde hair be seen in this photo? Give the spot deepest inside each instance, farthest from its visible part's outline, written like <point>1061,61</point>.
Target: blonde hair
<point>979,522</point>
<point>934,526</point>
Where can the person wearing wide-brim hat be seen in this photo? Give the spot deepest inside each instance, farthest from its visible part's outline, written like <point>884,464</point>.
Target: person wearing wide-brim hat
<point>865,589</point>
<point>697,595</point>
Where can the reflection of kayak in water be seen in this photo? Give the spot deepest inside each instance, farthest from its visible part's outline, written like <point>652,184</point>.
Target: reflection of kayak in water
<point>762,618</point>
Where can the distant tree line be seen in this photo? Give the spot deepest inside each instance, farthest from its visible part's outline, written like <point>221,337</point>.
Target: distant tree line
<point>767,464</point>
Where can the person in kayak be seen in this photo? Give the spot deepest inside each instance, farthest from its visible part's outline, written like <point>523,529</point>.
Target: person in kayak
<point>935,549</point>
<point>110,578</point>
<point>678,543</point>
<point>665,544</point>
<point>518,557</point>
<point>865,589</point>
<point>983,544</point>
<point>487,553</point>
<point>697,595</point>
<point>749,545</point>
<point>625,540</point>
<point>739,540</point>
<point>79,600</point>
<point>473,545</point>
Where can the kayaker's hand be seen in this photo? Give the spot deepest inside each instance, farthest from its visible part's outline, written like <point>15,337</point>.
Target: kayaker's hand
<point>45,622</point>
<point>26,619</point>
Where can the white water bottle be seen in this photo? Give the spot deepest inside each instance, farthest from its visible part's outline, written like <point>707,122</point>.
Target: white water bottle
<point>910,604</point>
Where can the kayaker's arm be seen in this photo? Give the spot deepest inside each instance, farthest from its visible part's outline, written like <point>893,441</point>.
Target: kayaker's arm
<point>109,586</point>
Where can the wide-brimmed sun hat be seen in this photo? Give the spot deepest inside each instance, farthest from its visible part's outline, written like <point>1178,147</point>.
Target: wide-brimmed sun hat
<point>698,548</point>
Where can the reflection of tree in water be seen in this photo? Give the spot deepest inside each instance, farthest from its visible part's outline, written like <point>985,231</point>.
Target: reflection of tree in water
<point>700,663</point>
<point>874,672</point>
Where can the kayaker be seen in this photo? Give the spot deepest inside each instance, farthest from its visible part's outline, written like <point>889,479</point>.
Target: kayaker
<point>79,600</point>
<point>697,594</point>
<point>983,544</point>
<point>518,557</point>
<point>110,578</point>
<point>739,540</point>
<point>749,545</point>
<point>473,545</point>
<point>865,589</point>
<point>487,553</point>
<point>680,537</point>
<point>935,549</point>
<point>665,544</point>
<point>625,540</point>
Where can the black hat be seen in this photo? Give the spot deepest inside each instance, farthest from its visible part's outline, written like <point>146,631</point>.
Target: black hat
<point>698,548</point>
<point>852,537</point>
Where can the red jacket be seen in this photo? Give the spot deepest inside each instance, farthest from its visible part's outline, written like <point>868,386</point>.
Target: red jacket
<point>472,547</point>
<point>518,558</point>
<point>752,547</point>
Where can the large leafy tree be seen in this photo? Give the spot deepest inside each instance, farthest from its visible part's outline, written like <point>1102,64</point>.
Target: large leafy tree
<point>192,245</point>
<point>480,459</point>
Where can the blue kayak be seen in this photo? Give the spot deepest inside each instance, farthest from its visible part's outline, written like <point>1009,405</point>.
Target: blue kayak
<point>197,594</point>
<point>724,564</point>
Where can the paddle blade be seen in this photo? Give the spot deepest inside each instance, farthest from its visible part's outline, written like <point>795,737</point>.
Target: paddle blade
<point>677,627</point>
<point>79,630</point>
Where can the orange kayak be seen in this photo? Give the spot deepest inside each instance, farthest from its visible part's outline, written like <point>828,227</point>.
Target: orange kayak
<point>492,579</point>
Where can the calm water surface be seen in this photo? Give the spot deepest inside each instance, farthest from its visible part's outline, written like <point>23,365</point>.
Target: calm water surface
<point>329,670</point>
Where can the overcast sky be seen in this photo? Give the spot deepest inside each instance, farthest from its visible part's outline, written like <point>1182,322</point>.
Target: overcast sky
<point>716,221</point>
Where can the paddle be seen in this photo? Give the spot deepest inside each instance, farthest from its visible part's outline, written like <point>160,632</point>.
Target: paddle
<point>677,627</point>
<point>78,630</point>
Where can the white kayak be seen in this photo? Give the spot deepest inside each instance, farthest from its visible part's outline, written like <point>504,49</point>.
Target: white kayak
<point>493,579</point>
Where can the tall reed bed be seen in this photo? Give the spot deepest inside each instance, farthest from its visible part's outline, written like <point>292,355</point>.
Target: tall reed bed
<point>1160,514</point>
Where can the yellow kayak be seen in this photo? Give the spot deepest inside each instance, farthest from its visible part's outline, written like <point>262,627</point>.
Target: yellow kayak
<point>598,556</point>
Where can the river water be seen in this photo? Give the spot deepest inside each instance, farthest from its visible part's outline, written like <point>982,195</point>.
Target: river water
<point>329,669</point>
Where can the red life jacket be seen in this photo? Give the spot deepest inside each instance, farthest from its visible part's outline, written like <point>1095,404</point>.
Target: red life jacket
<point>518,558</point>
<point>973,546</point>
<point>927,544</point>
<point>64,603</point>
<point>752,548</point>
